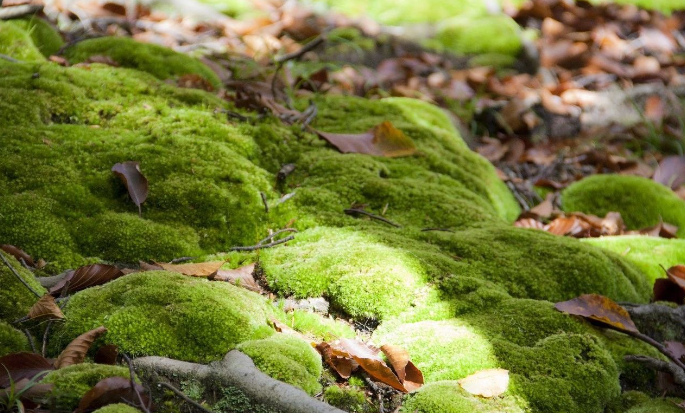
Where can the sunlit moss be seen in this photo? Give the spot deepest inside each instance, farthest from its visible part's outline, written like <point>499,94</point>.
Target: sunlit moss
<point>44,37</point>
<point>449,397</point>
<point>16,43</point>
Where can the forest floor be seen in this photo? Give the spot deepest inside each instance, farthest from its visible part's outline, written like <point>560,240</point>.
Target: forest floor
<point>388,207</point>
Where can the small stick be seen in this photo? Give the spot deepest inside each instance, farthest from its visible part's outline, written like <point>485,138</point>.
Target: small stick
<point>266,205</point>
<point>260,246</point>
<point>181,259</point>
<point>30,337</point>
<point>285,170</point>
<point>16,274</point>
<point>437,229</point>
<point>184,397</point>
<point>9,58</point>
<point>662,349</point>
<point>377,390</point>
<point>301,51</point>
<point>354,211</point>
<point>45,337</point>
<point>132,375</point>
<point>23,262</point>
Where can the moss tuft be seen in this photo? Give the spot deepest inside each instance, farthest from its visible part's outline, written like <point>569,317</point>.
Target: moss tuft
<point>159,61</point>
<point>317,326</point>
<point>16,43</point>
<point>346,398</point>
<point>44,36</point>
<point>11,339</point>
<point>72,382</point>
<point>286,358</point>
<point>15,298</point>
<point>449,397</point>
<point>641,202</point>
<point>168,314</point>
<point>117,408</point>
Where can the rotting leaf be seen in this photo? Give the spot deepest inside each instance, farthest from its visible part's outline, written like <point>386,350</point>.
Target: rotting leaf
<point>666,290</point>
<point>18,253</point>
<point>677,275</point>
<point>107,354</point>
<point>546,207</point>
<point>201,269</point>
<point>45,309</point>
<point>382,140</point>
<point>85,277</point>
<point>111,390</point>
<point>336,359</point>
<point>486,383</point>
<point>410,376</point>
<point>241,277</point>
<point>22,365</point>
<point>75,352</point>
<point>135,181</point>
<point>599,308</point>
<point>370,361</point>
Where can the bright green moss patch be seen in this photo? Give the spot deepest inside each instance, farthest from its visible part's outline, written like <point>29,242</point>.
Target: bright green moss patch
<point>11,339</point>
<point>72,382</point>
<point>168,314</point>
<point>348,399</point>
<point>16,43</point>
<point>648,253</point>
<point>159,61</point>
<point>15,298</point>
<point>449,397</point>
<point>641,202</point>
<point>286,358</point>
<point>117,408</point>
<point>317,326</point>
<point>475,35</point>
<point>44,37</point>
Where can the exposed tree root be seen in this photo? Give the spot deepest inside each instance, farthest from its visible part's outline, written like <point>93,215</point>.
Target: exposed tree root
<point>661,322</point>
<point>238,370</point>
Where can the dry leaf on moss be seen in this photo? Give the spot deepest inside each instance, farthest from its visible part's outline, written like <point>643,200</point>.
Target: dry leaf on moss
<point>486,383</point>
<point>85,277</point>
<point>45,309</point>
<point>382,140</point>
<point>22,365</point>
<point>200,269</point>
<point>599,308</point>
<point>136,183</point>
<point>410,376</point>
<point>75,352</point>
<point>18,253</point>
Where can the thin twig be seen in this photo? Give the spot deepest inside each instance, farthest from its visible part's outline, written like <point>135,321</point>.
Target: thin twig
<point>16,274</point>
<point>437,229</point>
<point>355,211</point>
<point>28,335</point>
<point>377,390</point>
<point>261,244</point>
<point>132,378</point>
<point>266,204</point>
<point>9,58</point>
<point>181,259</point>
<point>301,51</point>
<point>184,397</point>
<point>45,337</point>
<point>662,349</point>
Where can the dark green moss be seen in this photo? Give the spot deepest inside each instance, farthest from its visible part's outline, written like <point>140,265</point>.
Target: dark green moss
<point>11,339</point>
<point>72,382</point>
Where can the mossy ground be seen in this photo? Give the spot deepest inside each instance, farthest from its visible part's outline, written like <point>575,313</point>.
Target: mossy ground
<point>486,283</point>
<point>11,339</point>
<point>72,382</point>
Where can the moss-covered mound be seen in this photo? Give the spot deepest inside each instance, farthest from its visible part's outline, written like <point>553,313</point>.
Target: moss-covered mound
<point>11,339</point>
<point>72,382</point>
<point>45,37</point>
<point>117,408</point>
<point>15,298</point>
<point>641,202</point>
<point>168,314</point>
<point>648,253</point>
<point>158,61</point>
<point>286,358</point>
<point>16,43</point>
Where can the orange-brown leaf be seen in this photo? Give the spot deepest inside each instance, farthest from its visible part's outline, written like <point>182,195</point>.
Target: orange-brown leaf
<point>241,277</point>
<point>486,383</point>
<point>85,277</point>
<point>45,309</point>
<point>370,361</point>
<point>382,140</point>
<point>599,308</point>
<point>75,352</point>
<point>677,275</point>
<point>337,360</point>
<point>410,376</point>
<point>200,269</point>
<point>529,223</point>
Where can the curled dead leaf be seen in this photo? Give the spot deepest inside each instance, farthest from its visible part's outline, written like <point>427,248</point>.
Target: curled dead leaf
<point>336,359</point>
<point>601,309</point>
<point>382,140</point>
<point>370,361</point>
<point>45,309</point>
<point>671,171</point>
<point>410,376</point>
<point>23,365</point>
<point>241,277</point>
<point>136,183</point>
<point>486,383</point>
<point>18,253</point>
<point>85,277</point>
<point>75,352</point>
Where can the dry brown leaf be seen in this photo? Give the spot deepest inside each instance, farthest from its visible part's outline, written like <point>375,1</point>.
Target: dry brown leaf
<point>18,253</point>
<point>241,277</point>
<point>486,383</point>
<point>45,309</point>
<point>85,277</point>
<point>111,390</point>
<point>529,223</point>
<point>370,361</point>
<point>599,308</point>
<point>671,171</point>
<point>136,183</point>
<point>75,352</point>
<point>546,207</point>
<point>612,224</point>
<point>382,140</point>
<point>24,365</point>
<point>337,360</point>
<point>410,376</point>
<point>107,354</point>
<point>201,269</point>
<point>566,226</point>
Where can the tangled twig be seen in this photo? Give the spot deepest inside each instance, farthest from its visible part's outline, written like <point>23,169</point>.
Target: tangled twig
<point>263,243</point>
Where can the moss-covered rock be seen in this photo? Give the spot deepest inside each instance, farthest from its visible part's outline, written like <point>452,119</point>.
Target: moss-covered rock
<point>641,202</point>
<point>15,298</point>
<point>648,253</point>
<point>158,61</point>
<point>44,36</point>
<point>449,397</point>
<point>11,339</point>
<point>16,43</point>
<point>168,314</point>
<point>72,382</point>
<point>286,358</point>
<point>117,408</point>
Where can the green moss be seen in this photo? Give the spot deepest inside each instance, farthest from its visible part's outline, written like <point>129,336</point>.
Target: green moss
<point>286,358</point>
<point>16,43</point>
<point>15,298</point>
<point>72,382</point>
<point>159,61</point>
<point>117,408</point>
<point>449,397</point>
<point>233,400</point>
<point>44,36</point>
<point>168,314</point>
<point>317,326</point>
<point>347,399</point>
<point>641,202</point>
<point>657,406</point>
<point>11,339</point>
<point>648,253</point>
<point>486,34</point>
